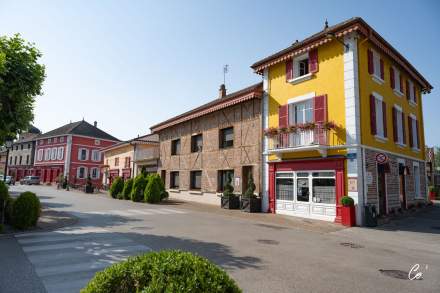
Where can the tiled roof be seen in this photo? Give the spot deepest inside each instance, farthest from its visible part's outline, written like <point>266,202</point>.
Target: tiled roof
<point>339,30</point>
<point>79,128</point>
<point>146,139</point>
<point>242,95</point>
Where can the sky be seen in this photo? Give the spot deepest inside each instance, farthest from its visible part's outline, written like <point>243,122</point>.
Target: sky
<point>131,64</point>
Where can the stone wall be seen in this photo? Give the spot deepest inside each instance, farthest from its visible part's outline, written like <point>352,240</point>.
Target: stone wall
<point>246,120</point>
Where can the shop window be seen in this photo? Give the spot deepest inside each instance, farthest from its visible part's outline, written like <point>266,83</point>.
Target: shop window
<point>196,180</point>
<point>284,186</point>
<point>223,177</point>
<point>175,147</point>
<point>226,138</point>
<point>324,187</point>
<point>196,143</point>
<point>174,179</point>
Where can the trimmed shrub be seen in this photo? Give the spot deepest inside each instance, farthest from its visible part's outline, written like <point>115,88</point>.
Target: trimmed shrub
<point>164,271</point>
<point>153,191</point>
<point>347,201</point>
<point>26,210</point>
<point>116,188</point>
<point>251,187</point>
<point>139,184</point>
<point>128,186</point>
<point>228,189</point>
<point>4,193</point>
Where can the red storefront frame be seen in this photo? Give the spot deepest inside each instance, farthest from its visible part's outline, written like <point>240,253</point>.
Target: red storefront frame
<point>336,164</point>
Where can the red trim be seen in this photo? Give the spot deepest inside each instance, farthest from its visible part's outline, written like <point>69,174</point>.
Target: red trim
<point>289,70</point>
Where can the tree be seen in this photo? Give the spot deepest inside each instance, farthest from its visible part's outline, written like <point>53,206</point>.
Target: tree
<point>21,79</point>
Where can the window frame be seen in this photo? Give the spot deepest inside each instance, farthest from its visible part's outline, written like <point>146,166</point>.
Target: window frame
<point>222,138</point>
<point>397,85</point>
<point>192,180</point>
<point>414,133</point>
<point>97,173</point>
<point>78,171</point>
<point>176,147</point>
<point>173,184</point>
<point>195,148</point>
<point>98,159</point>
<point>400,124</point>
<point>376,66</point>
<point>80,154</point>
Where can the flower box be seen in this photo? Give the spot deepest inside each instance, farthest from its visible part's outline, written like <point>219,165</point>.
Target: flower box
<point>230,202</point>
<point>348,216</point>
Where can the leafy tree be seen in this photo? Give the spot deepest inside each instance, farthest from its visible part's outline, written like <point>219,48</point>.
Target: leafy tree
<point>21,79</point>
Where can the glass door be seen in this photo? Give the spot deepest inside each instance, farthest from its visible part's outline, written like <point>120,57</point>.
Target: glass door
<point>302,187</point>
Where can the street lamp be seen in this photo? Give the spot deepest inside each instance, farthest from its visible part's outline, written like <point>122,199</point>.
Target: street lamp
<point>8,145</point>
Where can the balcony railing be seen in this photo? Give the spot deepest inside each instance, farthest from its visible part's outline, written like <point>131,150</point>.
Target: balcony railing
<point>299,139</point>
<point>146,154</point>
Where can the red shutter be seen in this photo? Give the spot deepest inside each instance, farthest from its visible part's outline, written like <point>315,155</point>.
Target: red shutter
<point>414,93</point>
<point>381,69</point>
<point>408,90</point>
<point>410,133</point>
<point>373,115</point>
<point>313,61</point>
<point>370,62</point>
<point>289,69</point>
<point>283,116</point>
<point>384,115</point>
<point>417,133</point>
<point>395,124</point>
<point>400,83</point>
<point>403,128</point>
<point>320,116</point>
<point>392,77</point>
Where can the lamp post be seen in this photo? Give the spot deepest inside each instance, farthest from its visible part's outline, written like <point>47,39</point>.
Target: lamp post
<point>8,145</point>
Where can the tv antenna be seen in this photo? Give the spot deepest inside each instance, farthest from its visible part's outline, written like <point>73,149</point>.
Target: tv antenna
<point>225,70</point>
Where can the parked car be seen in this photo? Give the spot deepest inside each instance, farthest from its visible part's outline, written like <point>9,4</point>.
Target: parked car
<point>29,180</point>
<point>9,180</point>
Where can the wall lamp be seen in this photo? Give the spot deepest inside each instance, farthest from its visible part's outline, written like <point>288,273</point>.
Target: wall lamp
<point>333,37</point>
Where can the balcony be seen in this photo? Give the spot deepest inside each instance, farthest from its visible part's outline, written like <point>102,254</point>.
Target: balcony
<point>146,154</point>
<point>299,140</point>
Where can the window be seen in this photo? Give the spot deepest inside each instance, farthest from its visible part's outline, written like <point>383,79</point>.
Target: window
<point>20,160</point>
<point>196,143</point>
<point>397,80</point>
<point>284,186</point>
<point>399,125</point>
<point>40,155</point>
<point>83,154</point>
<point>62,139</point>
<point>53,154</point>
<point>375,66</point>
<point>81,172</point>
<point>223,177</point>
<point>29,145</point>
<point>127,162</point>
<point>21,146</point>
<point>116,162</point>
<point>60,153</point>
<point>301,66</point>
<point>27,159</point>
<point>323,187</point>
<point>47,154</point>
<point>15,160</point>
<point>380,121</point>
<point>411,91</point>
<point>302,187</point>
<point>196,180</point>
<point>416,170</point>
<point>10,161</point>
<point>414,131</point>
<point>94,173</point>
<point>49,140</point>
<point>55,139</point>
<point>226,137</point>
<point>301,112</point>
<point>174,179</point>
<point>16,147</point>
<point>96,156</point>
<point>175,147</point>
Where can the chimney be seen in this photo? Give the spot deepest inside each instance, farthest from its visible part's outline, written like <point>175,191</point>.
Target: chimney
<point>222,91</point>
<point>95,124</point>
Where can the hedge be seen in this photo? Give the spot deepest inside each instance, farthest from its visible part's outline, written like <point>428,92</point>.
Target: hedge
<point>26,210</point>
<point>164,271</point>
<point>128,186</point>
<point>116,187</point>
<point>139,184</point>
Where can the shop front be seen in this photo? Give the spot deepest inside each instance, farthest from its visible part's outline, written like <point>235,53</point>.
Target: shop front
<point>307,188</point>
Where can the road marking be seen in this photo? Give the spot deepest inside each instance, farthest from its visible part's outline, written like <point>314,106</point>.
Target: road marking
<point>67,259</point>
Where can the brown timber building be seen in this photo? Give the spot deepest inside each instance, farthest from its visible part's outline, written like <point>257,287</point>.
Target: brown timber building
<point>200,148</point>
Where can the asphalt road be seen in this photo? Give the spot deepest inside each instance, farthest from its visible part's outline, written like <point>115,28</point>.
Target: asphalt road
<point>261,255</point>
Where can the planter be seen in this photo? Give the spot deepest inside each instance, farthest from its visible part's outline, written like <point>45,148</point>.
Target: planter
<point>230,203</point>
<point>432,195</point>
<point>89,189</point>
<point>250,204</point>
<point>348,216</point>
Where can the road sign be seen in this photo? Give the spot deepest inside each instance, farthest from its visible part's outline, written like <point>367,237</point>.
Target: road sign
<point>381,158</point>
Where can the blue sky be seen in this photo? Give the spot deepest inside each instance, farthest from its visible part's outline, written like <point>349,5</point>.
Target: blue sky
<point>131,64</point>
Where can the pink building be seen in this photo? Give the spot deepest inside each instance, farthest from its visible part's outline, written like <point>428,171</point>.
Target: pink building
<point>73,150</point>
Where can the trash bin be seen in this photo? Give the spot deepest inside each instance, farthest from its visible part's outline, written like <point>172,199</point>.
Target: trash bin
<point>370,216</point>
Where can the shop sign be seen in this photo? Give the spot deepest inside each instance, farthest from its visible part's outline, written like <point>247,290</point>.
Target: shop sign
<point>381,158</point>
<point>351,156</point>
<point>352,184</point>
<point>369,178</point>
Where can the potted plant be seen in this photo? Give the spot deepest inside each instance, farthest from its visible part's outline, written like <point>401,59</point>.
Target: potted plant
<point>432,193</point>
<point>328,125</point>
<point>249,201</point>
<point>89,185</point>
<point>229,200</point>
<point>348,211</point>
<point>271,132</point>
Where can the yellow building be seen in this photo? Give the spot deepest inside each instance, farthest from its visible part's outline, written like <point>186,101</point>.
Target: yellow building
<point>342,113</point>
<point>127,158</point>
